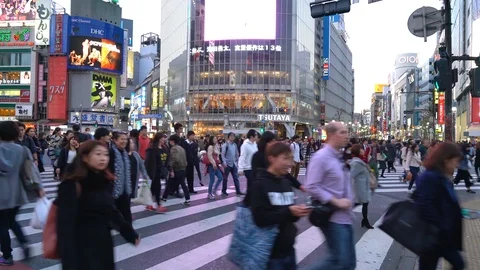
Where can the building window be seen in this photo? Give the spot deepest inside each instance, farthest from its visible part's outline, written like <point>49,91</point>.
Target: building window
<point>15,59</point>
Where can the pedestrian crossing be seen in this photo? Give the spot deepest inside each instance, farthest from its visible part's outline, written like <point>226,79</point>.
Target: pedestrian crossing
<point>195,236</point>
<point>393,181</point>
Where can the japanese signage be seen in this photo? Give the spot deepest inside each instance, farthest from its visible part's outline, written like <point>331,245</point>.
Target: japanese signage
<point>58,32</point>
<point>41,83</point>
<point>325,68</point>
<point>17,10</point>
<point>161,97</point>
<point>238,97</point>
<point>123,77</point>
<point>24,110</point>
<point>57,91</point>
<point>238,48</point>
<point>441,109</point>
<point>274,117</point>
<point>92,118</point>
<point>154,104</point>
<point>15,77</point>
<point>42,22</point>
<point>16,37</point>
<point>14,95</point>
<point>104,90</point>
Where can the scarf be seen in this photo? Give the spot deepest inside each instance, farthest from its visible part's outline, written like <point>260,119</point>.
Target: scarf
<point>123,182</point>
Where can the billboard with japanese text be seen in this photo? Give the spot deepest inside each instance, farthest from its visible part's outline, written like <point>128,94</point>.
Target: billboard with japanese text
<point>57,91</point>
<point>104,91</point>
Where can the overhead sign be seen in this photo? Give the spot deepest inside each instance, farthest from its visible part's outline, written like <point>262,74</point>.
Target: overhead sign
<point>16,37</point>
<point>92,118</point>
<point>274,117</point>
<point>24,110</point>
<point>42,22</point>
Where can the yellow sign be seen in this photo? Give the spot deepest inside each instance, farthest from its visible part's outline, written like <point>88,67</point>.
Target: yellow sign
<point>436,96</point>
<point>379,88</point>
<point>161,97</point>
<point>10,93</point>
<point>154,97</point>
<point>130,64</point>
<point>104,91</point>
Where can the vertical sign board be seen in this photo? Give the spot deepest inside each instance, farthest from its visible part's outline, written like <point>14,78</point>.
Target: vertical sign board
<point>475,110</point>
<point>59,34</point>
<point>123,77</point>
<point>326,48</point>
<point>57,91</point>
<point>42,22</point>
<point>41,70</point>
<point>441,109</point>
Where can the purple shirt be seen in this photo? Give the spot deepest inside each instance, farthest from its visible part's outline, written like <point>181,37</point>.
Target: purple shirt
<point>327,178</point>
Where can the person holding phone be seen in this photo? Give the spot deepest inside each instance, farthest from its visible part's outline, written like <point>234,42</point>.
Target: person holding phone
<point>273,203</point>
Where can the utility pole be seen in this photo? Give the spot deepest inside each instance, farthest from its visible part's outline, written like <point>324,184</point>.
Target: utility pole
<point>449,91</point>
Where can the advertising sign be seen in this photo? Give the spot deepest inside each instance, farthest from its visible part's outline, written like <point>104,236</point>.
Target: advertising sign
<point>274,117</point>
<point>14,95</point>
<point>95,45</point>
<point>130,65</point>
<point>17,37</point>
<point>92,118</point>
<point>57,92</point>
<point>128,25</point>
<point>41,83</point>
<point>123,78</point>
<point>42,22</point>
<point>15,77</point>
<point>475,110</point>
<point>59,34</point>
<point>104,91</point>
<point>326,48</point>
<point>441,109</point>
<point>154,103</point>
<point>406,60</point>
<point>17,10</point>
<point>23,110</point>
<point>379,88</point>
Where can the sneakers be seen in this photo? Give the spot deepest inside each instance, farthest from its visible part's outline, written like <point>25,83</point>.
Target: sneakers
<point>224,193</point>
<point>160,209</point>
<point>211,197</point>
<point>187,202</point>
<point>164,200</point>
<point>6,262</point>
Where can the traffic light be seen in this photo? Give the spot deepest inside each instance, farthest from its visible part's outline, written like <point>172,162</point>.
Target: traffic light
<point>96,124</point>
<point>262,130</point>
<point>474,86</point>
<point>440,81</point>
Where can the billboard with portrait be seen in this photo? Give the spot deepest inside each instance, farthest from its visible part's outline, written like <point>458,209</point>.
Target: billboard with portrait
<point>104,91</point>
<point>15,77</point>
<point>17,10</point>
<point>95,45</point>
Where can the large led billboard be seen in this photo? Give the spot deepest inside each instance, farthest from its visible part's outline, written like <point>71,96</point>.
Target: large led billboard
<point>95,45</point>
<point>17,10</point>
<point>246,19</point>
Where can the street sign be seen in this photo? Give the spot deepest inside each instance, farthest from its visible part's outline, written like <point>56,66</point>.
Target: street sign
<point>425,22</point>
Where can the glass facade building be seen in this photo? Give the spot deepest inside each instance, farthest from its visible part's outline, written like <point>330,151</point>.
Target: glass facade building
<point>238,84</point>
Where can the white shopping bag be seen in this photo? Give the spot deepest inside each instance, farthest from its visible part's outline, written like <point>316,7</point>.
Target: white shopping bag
<point>41,213</point>
<point>144,195</point>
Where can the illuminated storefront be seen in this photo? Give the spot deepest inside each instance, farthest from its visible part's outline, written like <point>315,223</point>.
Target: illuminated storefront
<point>221,75</point>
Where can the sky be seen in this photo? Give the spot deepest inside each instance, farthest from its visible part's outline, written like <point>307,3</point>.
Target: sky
<point>378,32</point>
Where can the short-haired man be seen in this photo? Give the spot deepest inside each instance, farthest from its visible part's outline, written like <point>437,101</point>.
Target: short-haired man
<point>178,164</point>
<point>143,142</point>
<point>328,181</point>
<point>230,156</point>
<point>295,146</point>
<point>76,132</point>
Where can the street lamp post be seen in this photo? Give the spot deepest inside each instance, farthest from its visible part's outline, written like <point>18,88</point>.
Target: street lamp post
<point>188,119</point>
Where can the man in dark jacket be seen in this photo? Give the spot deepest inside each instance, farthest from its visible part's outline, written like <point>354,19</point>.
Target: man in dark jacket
<point>81,136</point>
<point>391,154</point>
<point>187,145</point>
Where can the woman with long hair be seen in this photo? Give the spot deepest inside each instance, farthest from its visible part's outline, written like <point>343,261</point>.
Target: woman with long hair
<point>438,204</point>
<point>120,165</point>
<point>360,174</point>
<point>157,167</point>
<point>67,155</point>
<point>86,212</point>
<point>214,168</point>
<point>414,161</point>
<point>462,170</point>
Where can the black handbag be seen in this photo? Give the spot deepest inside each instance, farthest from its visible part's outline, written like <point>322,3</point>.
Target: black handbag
<point>404,224</point>
<point>320,214</point>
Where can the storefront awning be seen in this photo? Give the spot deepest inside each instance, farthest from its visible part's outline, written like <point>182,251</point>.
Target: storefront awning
<point>473,131</point>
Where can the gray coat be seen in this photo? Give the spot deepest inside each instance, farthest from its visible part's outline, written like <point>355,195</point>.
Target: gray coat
<point>360,173</point>
<point>12,192</point>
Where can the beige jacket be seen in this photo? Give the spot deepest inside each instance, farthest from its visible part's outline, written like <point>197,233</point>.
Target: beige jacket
<point>178,158</point>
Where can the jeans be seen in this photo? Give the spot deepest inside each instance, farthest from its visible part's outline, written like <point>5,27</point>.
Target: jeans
<point>429,261</point>
<point>212,174</point>
<point>341,248</point>
<point>179,179</point>
<point>7,221</point>
<point>414,171</point>
<point>286,263</point>
<point>234,171</point>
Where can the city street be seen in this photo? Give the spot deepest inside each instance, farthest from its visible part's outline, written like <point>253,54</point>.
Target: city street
<point>198,236</point>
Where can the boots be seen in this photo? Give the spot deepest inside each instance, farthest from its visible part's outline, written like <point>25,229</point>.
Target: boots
<point>366,224</point>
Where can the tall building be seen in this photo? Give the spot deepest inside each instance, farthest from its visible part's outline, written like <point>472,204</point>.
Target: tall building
<point>336,79</point>
<point>251,69</point>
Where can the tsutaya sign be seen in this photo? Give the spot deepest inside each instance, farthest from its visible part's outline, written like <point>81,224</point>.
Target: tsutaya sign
<point>274,117</point>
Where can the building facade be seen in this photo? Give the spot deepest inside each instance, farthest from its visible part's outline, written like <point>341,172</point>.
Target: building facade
<point>258,76</point>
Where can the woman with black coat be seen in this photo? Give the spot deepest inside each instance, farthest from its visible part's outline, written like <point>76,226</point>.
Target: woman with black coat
<point>66,157</point>
<point>86,212</point>
<point>157,167</point>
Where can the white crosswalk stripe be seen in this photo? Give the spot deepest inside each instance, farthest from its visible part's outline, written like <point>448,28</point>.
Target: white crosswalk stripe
<point>186,237</point>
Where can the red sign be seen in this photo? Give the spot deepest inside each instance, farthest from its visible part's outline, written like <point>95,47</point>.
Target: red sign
<point>441,109</point>
<point>57,88</point>
<point>475,110</point>
<point>58,33</point>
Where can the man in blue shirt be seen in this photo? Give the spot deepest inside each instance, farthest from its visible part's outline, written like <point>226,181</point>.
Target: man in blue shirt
<point>230,156</point>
